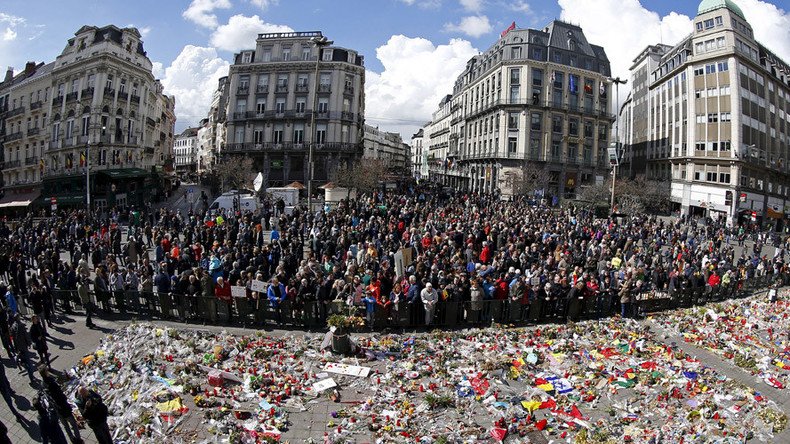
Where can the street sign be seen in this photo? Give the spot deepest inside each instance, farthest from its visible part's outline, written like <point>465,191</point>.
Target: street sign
<point>54,201</point>
<point>614,159</point>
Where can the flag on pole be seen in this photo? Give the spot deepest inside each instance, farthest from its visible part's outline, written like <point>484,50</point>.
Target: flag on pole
<point>603,89</point>
<point>553,76</point>
<point>572,84</point>
<point>258,182</point>
<point>509,28</point>
<point>41,165</point>
<point>83,158</point>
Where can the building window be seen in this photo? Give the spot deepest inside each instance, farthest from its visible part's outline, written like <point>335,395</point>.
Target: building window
<point>710,69</point>
<point>708,23</point>
<point>512,121</point>
<point>512,145</point>
<point>239,135</point>
<point>86,123</point>
<point>241,106</point>
<point>300,104</point>
<point>699,26</point>
<point>279,105</point>
<point>711,176</point>
<point>573,127</point>
<point>257,135</point>
<point>514,92</point>
<point>719,21</point>
<point>267,55</point>
<point>556,124</point>
<point>713,118</point>
<point>246,57</point>
<point>725,117</point>
<point>536,120</point>
<point>724,177</point>
<point>515,52</point>
<point>69,129</point>
<point>537,53</point>
<point>699,71</point>
<point>344,134</point>
<point>298,133</point>
<point>306,53</point>
<point>588,128</point>
<point>260,106</point>
<point>277,133</point>
<point>723,66</point>
<point>515,76</point>
<point>286,54</point>
<point>320,133</point>
<point>327,55</point>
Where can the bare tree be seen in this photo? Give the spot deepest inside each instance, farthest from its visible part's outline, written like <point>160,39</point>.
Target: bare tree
<point>235,172</point>
<point>362,175</point>
<point>530,178</point>
<point>597,193</point>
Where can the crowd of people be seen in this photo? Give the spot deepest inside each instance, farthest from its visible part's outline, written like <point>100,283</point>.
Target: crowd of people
<point>404,254</point>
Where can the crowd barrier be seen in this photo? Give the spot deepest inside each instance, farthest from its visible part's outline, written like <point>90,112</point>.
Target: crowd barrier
<point>244,312</point>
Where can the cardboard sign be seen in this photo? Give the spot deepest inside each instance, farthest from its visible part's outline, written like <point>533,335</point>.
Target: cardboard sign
<point>350,370</point>
<point>259,286</point>
<point>325,384</point>
<point>238,292</point>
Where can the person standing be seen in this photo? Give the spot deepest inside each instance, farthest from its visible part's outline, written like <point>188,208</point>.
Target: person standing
<point>625,298</point>
<point>429,299</point>
<point>10,301</point>
<point>87,303</point>
<point>51,433</point>
<point>95,412</point>
<point>39,338</point>
<point>5,332</point>
<point>61,402</point>
<point>7,393</point>
<point>222,292</point>
<point>276,294</point>
<point>22,342</point>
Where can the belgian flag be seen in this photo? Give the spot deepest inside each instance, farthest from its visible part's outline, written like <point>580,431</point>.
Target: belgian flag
<point>83,159</point>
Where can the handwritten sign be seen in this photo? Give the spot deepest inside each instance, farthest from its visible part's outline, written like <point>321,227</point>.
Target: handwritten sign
<point>238,292</point>
<point>258,286</point>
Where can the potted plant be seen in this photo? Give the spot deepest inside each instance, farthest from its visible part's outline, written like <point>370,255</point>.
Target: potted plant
<point>343,324</point>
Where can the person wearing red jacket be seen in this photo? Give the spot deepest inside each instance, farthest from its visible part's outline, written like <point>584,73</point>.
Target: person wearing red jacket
<point>485,255</point>
<point>222,292</point>
<point>714,279</point>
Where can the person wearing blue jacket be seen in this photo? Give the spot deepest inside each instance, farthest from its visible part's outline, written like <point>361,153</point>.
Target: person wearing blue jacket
<point>370,308</point>
<point>276,295</point>
<point>10,301</point>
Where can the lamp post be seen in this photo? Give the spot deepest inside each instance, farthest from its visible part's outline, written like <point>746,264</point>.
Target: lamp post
<point>319,42</point>
<point>617,81</point>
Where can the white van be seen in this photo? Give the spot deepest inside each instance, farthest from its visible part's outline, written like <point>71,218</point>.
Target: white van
<point>246,200</point>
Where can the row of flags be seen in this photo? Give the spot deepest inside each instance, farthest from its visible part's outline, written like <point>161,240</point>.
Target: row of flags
<point>117,157</point>
<point>573,84</point>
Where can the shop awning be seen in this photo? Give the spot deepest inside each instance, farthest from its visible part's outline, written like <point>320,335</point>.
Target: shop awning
<point>125,173</point>
<point>773,214</point>
<point>20,200</point>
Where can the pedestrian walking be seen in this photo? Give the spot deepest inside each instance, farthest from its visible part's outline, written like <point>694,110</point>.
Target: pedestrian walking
<point>64,409</point>
<point>39,339</point>
<point>7,392</point>
<point>22,343</point>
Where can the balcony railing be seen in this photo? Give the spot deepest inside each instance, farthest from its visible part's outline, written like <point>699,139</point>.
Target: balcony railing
<point>54,145</point>
<point>288,146</point>
<point>301,88</point>
<point>262,89</point>
<point>122,95</point>
<point>324,88</point>
<point>135,99</point>
<point>15,136</point>
<point>57,101</point>
<point>32,160</point>
<point>348,90</point>
<point>33,131</point>
<point>282,89</point>
<point>15,112</point>
<point>12,164</point>
<point>87,92</point>
<point>109,92</point>
<point>36,105</point>
<point>242,90</point>
<point>72,96</point>
<point>69,142</point>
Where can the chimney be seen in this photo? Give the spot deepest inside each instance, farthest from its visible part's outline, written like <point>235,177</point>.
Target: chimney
<point>30,68</point>
<point>9,74</point>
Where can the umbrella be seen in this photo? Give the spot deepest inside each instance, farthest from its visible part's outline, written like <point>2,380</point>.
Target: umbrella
<point>295,184</point>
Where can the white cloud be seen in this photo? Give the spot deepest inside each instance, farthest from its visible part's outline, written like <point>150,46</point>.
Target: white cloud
<point>605,22</point>
<point>424,4</point>
<point>241,31</point>
<point>12,20</point>
<point>158,69</point>
<point>771,25</point>
<point>472,5</point>
<point>264,4</point>
<point>520,6</point>
<point>192,79</point>
<point>9,34</point>
<point>200,12</point>
<point>416,75</point>
<point>144,30</point>
<point>473,26</point>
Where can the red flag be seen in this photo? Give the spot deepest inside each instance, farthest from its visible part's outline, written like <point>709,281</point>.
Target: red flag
<point>541,424</point>
<point>550,404</point>
<point>509,28</point>
<point>576,413</point>
<point>499,434</point>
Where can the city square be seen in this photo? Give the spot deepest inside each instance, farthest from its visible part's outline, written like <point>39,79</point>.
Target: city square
<point>568,235</point>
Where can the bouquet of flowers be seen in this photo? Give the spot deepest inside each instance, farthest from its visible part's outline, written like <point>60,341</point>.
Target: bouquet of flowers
<point>346,321</point>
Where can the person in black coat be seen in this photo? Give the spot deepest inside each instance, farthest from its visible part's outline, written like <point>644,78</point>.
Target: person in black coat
<point>95,412</point>
<point>61,402</point>
<point>48,425</point>
<point>39,337</point>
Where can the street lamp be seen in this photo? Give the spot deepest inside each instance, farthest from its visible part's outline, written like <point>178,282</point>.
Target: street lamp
<point>617,82</point>
<point>319,42</point>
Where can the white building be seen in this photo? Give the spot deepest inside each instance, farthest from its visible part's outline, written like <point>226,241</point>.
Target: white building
<point>185,150</point>
<point>387,147</point>
<point>720,121</point>
<point>419,156</point>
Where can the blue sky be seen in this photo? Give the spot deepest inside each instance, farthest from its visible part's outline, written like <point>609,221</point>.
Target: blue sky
<point>414,49</point>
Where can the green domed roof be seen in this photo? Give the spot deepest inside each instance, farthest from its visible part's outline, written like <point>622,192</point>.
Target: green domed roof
<point>710,5</point>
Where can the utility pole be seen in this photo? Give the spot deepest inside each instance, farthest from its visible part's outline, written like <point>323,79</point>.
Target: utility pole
<point>319,42</point>
<point>617,81</point>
